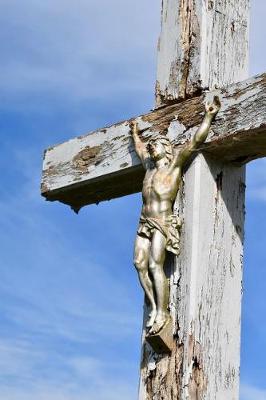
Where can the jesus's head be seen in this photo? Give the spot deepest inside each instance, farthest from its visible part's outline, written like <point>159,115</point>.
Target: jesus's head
<point>159,147</point>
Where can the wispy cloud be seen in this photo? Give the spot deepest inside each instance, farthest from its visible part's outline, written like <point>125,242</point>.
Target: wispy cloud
<point>62,312</point>
<point>24,375</point>
<point>249,392</point>
<point>58,48</point>
<point>82,304</point>
<point>83,51</point>
<point>111,391</point>
<point>258,193</point>
<point>256,180</point>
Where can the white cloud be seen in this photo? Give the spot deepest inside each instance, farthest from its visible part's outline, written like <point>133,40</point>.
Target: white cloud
<point>256,180</point>
<point>115,391</point>
<point>17,358</point>
<point>86,50</point>
<point>23,376</point>
<point>257,35</point>
<point>249,392</point>
<point>70,49</point>
<point>80,303</point>
<point>258,193</point>
<point>63,313</point>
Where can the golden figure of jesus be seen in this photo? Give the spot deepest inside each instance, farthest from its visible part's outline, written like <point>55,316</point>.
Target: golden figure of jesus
<point>159,228</point>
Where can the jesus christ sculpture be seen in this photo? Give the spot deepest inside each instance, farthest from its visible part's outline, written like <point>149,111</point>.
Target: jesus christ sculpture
<point>159,228</point>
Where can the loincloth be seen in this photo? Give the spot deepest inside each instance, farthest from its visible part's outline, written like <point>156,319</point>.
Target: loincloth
<point>169,228</point>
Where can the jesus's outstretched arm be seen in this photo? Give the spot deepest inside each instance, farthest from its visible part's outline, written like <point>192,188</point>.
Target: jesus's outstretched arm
<point>200,136</point>
<point>140,147</point>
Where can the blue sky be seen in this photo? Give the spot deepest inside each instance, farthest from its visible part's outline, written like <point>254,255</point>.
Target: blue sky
<point>71,306</point>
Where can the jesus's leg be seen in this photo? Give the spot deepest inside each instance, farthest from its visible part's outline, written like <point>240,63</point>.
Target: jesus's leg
<point>141,260</point>
<point>160,283</point>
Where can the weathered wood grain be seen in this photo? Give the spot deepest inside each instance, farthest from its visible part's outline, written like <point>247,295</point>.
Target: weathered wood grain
<point>203,43</point>
<point>103,165</point>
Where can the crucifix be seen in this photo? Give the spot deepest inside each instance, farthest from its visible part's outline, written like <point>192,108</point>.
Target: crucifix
<point>202,53</point>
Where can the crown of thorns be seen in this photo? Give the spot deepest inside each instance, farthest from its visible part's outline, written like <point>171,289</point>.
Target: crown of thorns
<point>165,142</point>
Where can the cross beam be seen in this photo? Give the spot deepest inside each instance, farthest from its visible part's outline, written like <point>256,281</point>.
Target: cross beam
<point>103,165</point>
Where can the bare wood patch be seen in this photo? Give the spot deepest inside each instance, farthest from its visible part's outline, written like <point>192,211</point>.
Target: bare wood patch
<point>196,38</point>
<point>86,157</point>
<point>162,375</point>
<point>197,382</point>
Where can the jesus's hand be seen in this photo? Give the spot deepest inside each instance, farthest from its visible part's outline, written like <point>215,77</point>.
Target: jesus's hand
<point>213,107</point>
<point>133,128</point>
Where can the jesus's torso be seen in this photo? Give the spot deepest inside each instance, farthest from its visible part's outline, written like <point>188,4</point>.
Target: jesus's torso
<point>159,191</point>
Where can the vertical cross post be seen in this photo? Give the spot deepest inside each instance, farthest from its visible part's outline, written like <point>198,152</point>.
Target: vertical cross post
<point>203,45</point>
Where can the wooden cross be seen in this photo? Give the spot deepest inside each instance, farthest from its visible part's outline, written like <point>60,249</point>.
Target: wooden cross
<point>202,52</point>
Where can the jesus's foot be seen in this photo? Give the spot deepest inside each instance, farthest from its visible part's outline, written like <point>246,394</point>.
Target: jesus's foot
<point>151,319</point>
<point>160,321</point>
